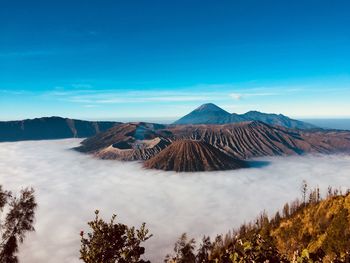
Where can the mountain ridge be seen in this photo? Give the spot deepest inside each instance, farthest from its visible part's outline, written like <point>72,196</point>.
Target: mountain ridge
<point>210,113</point>
<point>59,128</point>
<point>244,141</point>
<point>51,128</point>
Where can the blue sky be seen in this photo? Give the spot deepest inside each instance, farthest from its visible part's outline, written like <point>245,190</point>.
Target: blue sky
<point>140,59</point>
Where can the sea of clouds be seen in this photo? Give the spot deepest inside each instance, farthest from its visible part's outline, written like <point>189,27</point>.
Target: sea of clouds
<point>70,186</point>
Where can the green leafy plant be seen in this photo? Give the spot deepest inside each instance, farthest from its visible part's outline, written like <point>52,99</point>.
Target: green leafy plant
<point>113,242</point>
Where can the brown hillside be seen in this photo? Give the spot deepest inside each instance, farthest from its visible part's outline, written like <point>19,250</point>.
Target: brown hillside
<point>189,156</point>
<point>255,139</point>
<point>245,140</point>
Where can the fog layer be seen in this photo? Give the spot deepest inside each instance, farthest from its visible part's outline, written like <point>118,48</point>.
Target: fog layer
<point>70,186</point>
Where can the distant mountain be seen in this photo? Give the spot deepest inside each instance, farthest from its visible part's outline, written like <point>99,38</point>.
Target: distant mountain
<point>209,114</point>
<point>212,114</point>
<point>276,119</point>
<point>190,156</point>
<point>51,128</point>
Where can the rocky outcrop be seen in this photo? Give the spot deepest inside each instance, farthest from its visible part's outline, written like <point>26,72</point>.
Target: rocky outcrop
<point>131,151</point>
<point>255,139</point>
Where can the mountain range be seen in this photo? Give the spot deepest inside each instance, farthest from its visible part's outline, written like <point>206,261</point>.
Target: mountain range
<point>60,128</point>
<point>212,114</point>
<point>208,138</point>
<point>169,148</point>
<point>50,128</point>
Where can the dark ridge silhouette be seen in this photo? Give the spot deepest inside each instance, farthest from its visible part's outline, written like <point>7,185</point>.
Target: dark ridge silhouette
<point>51,128</point>
<point>191,156</point>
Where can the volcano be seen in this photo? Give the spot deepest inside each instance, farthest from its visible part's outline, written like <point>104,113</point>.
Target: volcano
<point>190,156</point>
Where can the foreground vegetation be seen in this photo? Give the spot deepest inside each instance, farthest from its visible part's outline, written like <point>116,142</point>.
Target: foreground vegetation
<point>15,222</point>
<point>307,230</point>
<point>310,229</point>
<point>112,242</point>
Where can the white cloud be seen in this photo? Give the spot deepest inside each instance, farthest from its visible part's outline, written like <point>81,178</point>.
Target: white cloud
<point>236,96</point>
<point>92,96</point>
<point>14,92</point>
<point>173,98</point>
<point>85,93</point>
<point>239,96</point>
<point>90,106</point>
<point>70,185</point>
